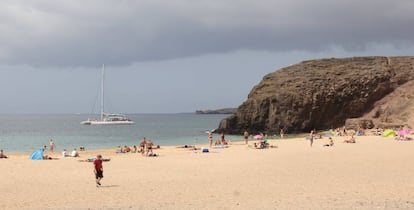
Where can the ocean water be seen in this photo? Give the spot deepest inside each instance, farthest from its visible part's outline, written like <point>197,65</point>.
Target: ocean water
<point>25,133</point>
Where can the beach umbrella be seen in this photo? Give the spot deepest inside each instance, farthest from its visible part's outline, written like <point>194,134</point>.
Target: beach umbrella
<point>258,137</point>
<point>389,133</point>
<point>37,155</point>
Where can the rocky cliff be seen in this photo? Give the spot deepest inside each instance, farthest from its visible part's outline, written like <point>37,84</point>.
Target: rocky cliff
<point>321,94</point>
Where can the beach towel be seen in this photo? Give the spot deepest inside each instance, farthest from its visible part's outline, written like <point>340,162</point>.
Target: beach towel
<point>389,133</point>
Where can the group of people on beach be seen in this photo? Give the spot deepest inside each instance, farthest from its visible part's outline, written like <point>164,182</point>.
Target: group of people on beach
<point>220,141</point>
<point>74,153</point>
<point>147,146</point>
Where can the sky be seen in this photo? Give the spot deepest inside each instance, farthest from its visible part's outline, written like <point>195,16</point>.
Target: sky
<point>177,56</point>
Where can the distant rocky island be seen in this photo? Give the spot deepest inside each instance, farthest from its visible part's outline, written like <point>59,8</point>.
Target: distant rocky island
<point>328,93</point>
<point>218,111</point>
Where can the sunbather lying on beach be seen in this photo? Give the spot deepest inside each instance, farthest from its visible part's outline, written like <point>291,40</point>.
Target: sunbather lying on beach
<point>186,146</point>
<point>47,157</point>
<point>330,143</point>
<point>351,140</point>
<point>91,159</point>
<point>263,145</point>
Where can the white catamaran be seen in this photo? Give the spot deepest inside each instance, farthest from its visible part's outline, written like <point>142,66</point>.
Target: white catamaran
<point>107,118</point>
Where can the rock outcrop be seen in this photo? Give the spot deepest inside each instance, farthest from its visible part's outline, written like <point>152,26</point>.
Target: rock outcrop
<point>217,111</point>
<point>321,94</point>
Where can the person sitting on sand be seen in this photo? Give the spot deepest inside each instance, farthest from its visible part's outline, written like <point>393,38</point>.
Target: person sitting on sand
<point>264,144</point>
<point>2,155</point>
<point>118,150</point>
<point>351,140</point>
<point>64,153</point>
<point>330,143</point>
<point>74,153</point>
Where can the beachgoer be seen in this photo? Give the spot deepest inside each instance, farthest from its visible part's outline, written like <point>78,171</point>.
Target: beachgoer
<point>149,147</point>
<point>127,149</point>
<point>64,153</point>
<point>74,153</point>
<point>2,155</point>
<point>330,143</point>
<point>282,132</point>
<point>135,149</point>
<point>311,137</point>
<point>246,137</point>
<point>98,169</point>
<point>142,145</point>
<point>210,138</point>
<point>222,137</point>
<point>118,150</point>
<point>47,157</point>
<point>351,140</point>
<point>51,145</point>
<point>82,148</point>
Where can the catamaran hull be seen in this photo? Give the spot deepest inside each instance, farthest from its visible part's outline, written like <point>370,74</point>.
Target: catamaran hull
<point>107,123</point>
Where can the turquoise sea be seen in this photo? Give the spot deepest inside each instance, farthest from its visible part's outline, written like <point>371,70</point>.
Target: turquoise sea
<point>25,133</point>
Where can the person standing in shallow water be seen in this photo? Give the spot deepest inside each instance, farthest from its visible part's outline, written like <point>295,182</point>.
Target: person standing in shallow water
<point>98,169</point>
<point>51,145</point>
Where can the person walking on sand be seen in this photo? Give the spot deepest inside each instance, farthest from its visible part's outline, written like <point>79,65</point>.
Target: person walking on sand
<point>246,137</point>
<point>311,137</point>
<point>51,145</point>
<point>210,138</point>
<point>98,169</point>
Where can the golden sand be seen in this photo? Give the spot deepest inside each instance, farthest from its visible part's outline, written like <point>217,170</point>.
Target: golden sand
<point>374,173</point>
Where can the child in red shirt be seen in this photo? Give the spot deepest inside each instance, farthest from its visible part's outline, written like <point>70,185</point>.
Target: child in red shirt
<point>98,169</point>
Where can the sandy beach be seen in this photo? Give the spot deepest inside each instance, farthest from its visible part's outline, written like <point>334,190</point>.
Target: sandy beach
<point>374,173</point>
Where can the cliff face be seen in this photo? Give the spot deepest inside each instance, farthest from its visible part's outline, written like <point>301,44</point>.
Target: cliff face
<point>319,94</point>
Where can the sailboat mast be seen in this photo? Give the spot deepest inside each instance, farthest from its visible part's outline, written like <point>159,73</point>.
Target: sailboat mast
<point>102,92</point>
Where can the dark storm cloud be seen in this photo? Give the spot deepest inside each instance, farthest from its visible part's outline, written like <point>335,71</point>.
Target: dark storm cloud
<point>84,33</point>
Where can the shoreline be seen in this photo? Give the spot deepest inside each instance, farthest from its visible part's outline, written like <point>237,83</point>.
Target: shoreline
<point>234,139</point>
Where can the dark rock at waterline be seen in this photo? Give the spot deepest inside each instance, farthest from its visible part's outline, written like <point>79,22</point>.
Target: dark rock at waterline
<point>217,111</point>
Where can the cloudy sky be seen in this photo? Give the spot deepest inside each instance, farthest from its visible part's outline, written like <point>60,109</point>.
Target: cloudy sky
<point>178,55</point>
